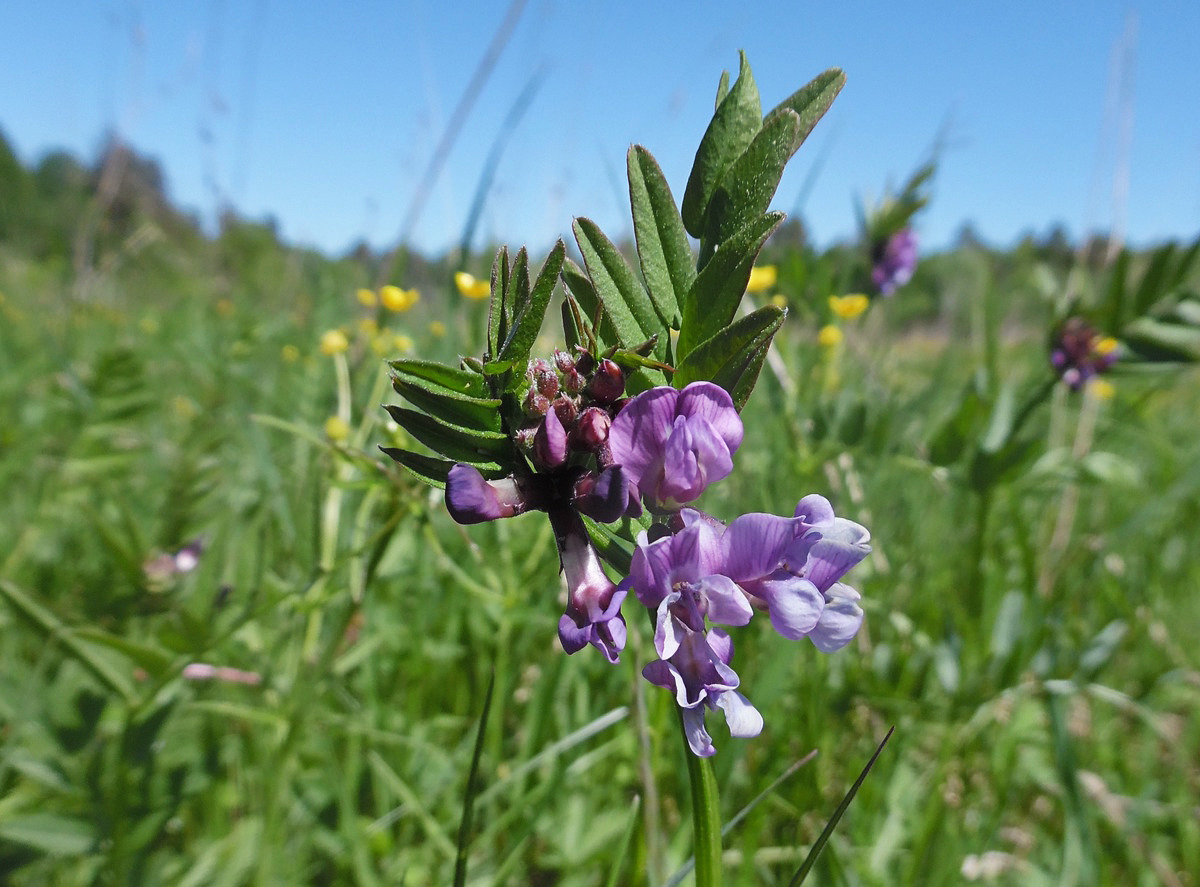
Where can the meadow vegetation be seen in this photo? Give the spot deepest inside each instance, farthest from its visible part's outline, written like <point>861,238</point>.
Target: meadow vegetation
<point>242,646</point>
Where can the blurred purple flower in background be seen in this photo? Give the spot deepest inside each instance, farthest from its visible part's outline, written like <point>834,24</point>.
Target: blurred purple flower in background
<point>1078,352</point>
<point>894,260</point>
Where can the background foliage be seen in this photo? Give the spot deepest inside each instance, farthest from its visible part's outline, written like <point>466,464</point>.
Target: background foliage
<point>1030,602</point>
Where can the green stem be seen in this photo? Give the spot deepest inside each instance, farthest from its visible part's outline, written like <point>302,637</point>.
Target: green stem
<point>706,815</point>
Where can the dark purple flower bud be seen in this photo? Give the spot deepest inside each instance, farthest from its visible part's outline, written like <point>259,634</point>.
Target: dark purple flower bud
<point>591,429</point>
<point>566,409</point>
<point>550,442</point>
<point>895,259</point>
<point>603,497</point>
<point>572,381</point>
<point>585,363</point>
<point>608,382</point>
<point>564,361</point>
<point>472,499</point>
<point>672,444</point>
<point>536,403</point>
<point>543,377</point>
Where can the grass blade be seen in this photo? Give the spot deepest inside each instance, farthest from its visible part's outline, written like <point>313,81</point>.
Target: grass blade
<point>811,859</point>
<point>464,829</point>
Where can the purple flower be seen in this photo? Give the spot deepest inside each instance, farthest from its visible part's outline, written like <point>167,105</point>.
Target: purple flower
<point>699,675</point>
<point>593,614</point>
<point>672,444</point>
<point>1079,352</point>
<point>680,577</point>
<point>894,259</point>
<point>471,499</point>
<point>792,566</point>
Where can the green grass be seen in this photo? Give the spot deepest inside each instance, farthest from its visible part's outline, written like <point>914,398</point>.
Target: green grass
<point>1045,695</point>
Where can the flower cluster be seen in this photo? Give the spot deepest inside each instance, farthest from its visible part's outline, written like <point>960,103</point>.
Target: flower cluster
<point>894,260</point>
<point>1079,353</point>
<point>600,454</point>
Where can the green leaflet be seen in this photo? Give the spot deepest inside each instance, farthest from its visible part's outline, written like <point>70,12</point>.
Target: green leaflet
<point>1163,340</point>
<point>478,413</point>
<point>625,300</point>
<point>733,357</point>
<point>737,119</point>
<point>426,468</point>
<point>811,101</point>
<point>483,449</point>
<point>717,291</point>
<point>746,188</point>
<point>532,311</point>
<point>499,313</point>
<point>462,381</point>
<point>662,244</point>
<point>591,323</point>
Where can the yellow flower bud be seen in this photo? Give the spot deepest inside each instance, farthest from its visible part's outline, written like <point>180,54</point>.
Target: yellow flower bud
<point>470,287</point>
<point>1106,346</point>
<point>336,429</point>
<point>334,342</point>
<point>762,278</point>
<point>289,353</point>
<point>830,336</point>
<point>437,328</point>
<point>366,297</point>
<point>402,342</point>
<point>779,300</point>
<point>849,307</point>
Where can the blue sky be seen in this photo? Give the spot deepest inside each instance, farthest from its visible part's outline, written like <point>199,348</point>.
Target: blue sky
<point>325,115</point>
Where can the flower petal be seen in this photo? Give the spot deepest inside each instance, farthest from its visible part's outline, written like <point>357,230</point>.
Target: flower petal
<point>751,546</point>
<point>743,719</point>
<point>704,400</point>
<point>641,428</point>
<point>840,620</point>
<point>727,605</point>
<point>794,604</point>
<point>693,728</point>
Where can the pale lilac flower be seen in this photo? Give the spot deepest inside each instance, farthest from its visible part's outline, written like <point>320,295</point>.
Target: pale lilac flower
<point>792,566</point>
<point>672,444</point>
<point>895,260</point>
<point>699,675</point>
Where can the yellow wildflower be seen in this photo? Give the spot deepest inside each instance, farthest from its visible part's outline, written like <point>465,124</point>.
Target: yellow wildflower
<point>762,278</point>
<point>382,343</point>
<point>402,342</point>
<point>779,300</point>
<point>289,353</point>
<point>437,328</point>
<point>366,297</point>
<point>1101,389</point>
<point>368,327</point>
<point>849,307</point>
<point>470,287</point>
<point>1106,346</point>
<point>334,342</point>
<point>399,300</point>
<point>336,429</point>
<point>830,336</point>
